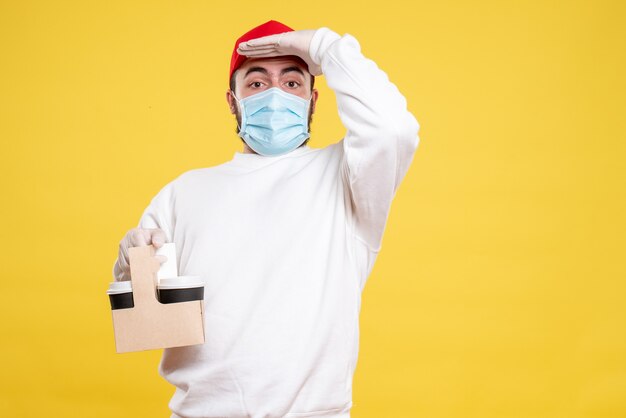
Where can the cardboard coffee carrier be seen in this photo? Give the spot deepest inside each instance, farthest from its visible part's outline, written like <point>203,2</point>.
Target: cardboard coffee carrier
<point>150,324</point>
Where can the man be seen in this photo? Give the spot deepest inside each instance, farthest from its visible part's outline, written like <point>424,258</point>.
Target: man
<point>284,234</point>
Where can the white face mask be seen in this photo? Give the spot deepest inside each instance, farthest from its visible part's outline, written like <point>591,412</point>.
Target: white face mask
<point>274,122</point>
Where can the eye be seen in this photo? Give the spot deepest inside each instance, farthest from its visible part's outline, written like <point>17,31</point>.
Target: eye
<point>255,84</point>
<point>293,84</point>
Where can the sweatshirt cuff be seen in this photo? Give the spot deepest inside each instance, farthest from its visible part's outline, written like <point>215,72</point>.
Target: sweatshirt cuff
<point>322,39</point>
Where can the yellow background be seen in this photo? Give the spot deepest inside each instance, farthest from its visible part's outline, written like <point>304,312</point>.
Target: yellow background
<point>500,290</point>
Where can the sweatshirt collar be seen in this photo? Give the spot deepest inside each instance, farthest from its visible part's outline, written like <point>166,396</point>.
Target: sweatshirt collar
<point>261,159</point>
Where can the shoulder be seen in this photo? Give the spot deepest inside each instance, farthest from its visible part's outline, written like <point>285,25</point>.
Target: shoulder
<point>199,174</point>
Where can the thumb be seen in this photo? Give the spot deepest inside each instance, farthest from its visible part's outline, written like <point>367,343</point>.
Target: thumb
<point>157,237</point>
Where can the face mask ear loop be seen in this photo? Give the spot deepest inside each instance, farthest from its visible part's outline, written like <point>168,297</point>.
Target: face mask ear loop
<point>239,108</point>
<point>309,106</point>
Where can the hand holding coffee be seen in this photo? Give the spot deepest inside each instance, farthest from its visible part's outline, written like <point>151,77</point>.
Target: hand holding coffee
<point>171,287</point>
<point>137,237</point>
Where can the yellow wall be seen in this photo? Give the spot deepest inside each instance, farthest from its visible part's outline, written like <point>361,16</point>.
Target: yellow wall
<point>500,288</point>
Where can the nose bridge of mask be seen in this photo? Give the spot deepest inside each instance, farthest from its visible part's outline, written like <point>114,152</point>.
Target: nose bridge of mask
<point>273,99</point>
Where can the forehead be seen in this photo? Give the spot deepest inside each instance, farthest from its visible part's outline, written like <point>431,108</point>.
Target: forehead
<point>273,65</point>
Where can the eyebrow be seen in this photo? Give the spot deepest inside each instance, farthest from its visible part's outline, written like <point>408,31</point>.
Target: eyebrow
<point>264,71</point>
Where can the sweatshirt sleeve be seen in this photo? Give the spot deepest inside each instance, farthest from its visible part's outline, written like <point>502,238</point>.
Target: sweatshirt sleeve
<point>381,137</point>
<point>158,214</point>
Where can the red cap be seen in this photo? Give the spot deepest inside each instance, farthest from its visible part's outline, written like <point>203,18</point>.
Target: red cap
<point>268,28</point>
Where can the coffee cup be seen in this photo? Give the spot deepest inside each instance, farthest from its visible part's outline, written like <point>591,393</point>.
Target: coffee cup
<point>121,295</point>
<point>180,289</point>
<point>168,268</point>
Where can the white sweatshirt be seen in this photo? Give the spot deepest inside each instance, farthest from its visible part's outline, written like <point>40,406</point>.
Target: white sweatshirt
<point>285,245</point>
